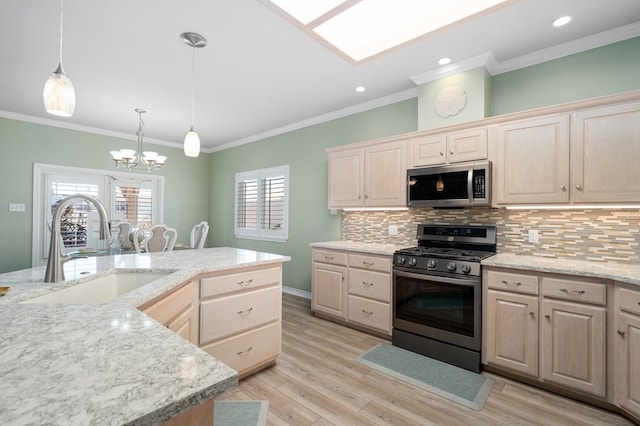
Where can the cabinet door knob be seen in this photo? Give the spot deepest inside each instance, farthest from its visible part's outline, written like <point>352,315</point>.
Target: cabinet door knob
<point>441,153</point>
<point>579,187</point>
<point>451,152</point>
<point>621,333</point>
<point>563,188</point>
<point>532,313</point>
<point>548,317</point>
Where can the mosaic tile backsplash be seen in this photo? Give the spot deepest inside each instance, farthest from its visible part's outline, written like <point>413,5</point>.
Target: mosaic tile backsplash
<point>599,235</point>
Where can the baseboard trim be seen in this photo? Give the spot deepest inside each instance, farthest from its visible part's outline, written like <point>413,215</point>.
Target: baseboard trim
<point>297,292</point>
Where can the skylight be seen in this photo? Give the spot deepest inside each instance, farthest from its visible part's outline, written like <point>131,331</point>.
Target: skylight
<point>361,29</point>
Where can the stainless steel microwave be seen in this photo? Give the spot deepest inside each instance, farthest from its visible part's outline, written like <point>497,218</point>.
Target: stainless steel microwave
<point>455,185</point>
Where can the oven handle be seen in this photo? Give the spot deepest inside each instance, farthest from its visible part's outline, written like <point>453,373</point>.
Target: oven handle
<point>437,278</point>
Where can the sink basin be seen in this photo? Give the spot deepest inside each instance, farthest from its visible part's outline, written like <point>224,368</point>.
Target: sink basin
<point>99,290</point>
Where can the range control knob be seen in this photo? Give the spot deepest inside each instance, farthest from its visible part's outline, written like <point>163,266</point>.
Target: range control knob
<point>401,260</point>
<point>412,261</point>
<point>465,268</point>
<point>431,264</point>
<point>451,266</point>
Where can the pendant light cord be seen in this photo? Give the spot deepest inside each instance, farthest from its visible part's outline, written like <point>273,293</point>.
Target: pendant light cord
<point>61,18</point>
<point>193,85</point>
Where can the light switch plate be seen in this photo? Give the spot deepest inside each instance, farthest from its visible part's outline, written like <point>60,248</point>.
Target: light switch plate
<point>15,207</point>
<point>393,229</point>
<point>533,235</point>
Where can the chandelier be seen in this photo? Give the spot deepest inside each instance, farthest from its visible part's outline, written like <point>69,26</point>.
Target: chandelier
<point>144,159</point>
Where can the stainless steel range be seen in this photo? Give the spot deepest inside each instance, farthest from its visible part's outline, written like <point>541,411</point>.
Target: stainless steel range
<point>437,293</point>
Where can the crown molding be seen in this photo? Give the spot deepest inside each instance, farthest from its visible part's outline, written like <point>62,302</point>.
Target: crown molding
<point>87,129</point>
<point>365,106</point>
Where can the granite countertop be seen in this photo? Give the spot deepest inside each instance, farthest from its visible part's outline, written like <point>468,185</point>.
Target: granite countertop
<point>108,363</point>
<point>621,272</point>
<point>371,248</point>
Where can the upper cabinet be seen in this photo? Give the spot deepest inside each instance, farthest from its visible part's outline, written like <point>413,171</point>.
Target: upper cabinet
<point>588,156</point>
<point>532,161</point>
<point>605,154</point>
<point>369,176</point>
<point>452,147</point>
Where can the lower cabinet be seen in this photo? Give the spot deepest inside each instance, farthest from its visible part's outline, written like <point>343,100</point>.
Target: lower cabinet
<point>550,328</point>
<point>241,317</point>
<point>627,349</point>
<point>177,311</point>
<point>353,288</point>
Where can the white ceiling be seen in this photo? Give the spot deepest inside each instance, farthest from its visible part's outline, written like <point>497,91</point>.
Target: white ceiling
<point>259,74</point>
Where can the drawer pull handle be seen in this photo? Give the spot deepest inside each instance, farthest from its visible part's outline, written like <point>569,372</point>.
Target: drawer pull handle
<point>621,333</point>
<point>241,283</point>
<point>366,284</point>
<point>246,311</point>
<point>572,291</point>
<point>246,351</point>
<point>367,263</point>
<point>328,258</point>
<point>511,284</point>
<point>367,313</point>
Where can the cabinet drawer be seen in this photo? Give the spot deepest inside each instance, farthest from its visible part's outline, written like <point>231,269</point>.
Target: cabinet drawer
<point>373,285</point>
<point>223,316</point>
<point>514,282</point>
<point>245,351</point>
<point>372,314</point>
<point>245,280</point>
<point>172,305</point>
<point>373,263</point>
<point>328,256</point>
<point>580,291</point>
<point>629,300</point>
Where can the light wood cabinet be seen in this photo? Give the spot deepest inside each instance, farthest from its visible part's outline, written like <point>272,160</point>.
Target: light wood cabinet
<point>511,321</point>
<point>329,283</point>
<point>452,147</point>
<point>241,317</point>
<point>605,149</point>
<point>353,288</point>
<point>368,176</point>
<point>588,156</point>
<point>627,349</point>
<point>574,346</point>
<point>532,161</point>
<point>551,328</point>
<point>176,310</point>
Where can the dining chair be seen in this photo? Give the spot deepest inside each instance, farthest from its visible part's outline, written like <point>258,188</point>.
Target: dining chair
<point>158,238</point>
<point>199,235</point>
<point>125,234</point>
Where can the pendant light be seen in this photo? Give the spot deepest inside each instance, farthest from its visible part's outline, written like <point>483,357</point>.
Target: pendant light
<point>192,140</point>
<point>59,95</point>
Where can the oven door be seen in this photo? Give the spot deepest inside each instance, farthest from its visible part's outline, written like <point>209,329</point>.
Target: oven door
<point>442,308</point>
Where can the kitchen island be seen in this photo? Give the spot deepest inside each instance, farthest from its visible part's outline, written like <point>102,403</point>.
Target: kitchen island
<point>108,363</point>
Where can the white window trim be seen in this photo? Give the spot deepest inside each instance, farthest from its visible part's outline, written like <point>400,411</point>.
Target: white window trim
<point>41,171</point>
<point>263,234</point>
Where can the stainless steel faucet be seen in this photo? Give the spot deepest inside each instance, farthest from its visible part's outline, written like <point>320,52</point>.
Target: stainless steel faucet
<point>55,262</point>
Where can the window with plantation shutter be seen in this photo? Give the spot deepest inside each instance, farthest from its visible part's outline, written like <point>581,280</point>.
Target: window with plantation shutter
<point>262,204</point>
<point>128,197</point>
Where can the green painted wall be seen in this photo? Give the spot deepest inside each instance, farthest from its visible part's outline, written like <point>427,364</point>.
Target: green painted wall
<point>603,71</point>
<point>304,151</point>
<point>22,144</point>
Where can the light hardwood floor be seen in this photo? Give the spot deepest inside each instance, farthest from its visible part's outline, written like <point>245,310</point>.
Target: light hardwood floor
<point>317,381</point>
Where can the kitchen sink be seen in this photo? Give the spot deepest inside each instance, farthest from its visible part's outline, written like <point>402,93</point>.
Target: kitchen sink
<point>99,290</point>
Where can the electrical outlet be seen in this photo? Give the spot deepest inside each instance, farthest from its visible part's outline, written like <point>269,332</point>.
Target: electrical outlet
<point>393,230</point>
<point>533,236</point>
<point>14,207</point>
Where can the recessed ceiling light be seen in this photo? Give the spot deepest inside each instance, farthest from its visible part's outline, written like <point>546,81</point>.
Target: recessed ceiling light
<point>360,89</point>
<point>444,61</point>
<point>364,28</point>
<point>561,21</point>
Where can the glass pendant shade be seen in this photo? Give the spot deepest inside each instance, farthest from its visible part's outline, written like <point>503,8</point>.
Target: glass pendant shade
<point>191,144</point>
<point>59,94</point>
